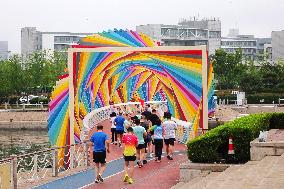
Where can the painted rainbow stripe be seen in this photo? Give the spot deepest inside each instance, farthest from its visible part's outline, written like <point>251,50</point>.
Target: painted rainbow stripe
<point>125,76</point>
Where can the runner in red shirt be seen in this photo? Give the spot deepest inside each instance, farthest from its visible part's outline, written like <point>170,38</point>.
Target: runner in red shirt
<point>130,142</point>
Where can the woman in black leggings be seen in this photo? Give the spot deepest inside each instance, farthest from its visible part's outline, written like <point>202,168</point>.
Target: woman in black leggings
<point>113,127</point>
<point>158,140</point>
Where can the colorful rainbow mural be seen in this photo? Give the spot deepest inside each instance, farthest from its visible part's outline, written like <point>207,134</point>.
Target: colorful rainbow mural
<point>101,77</point>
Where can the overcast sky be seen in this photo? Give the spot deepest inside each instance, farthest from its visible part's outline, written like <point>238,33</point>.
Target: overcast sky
<point>258,17</point>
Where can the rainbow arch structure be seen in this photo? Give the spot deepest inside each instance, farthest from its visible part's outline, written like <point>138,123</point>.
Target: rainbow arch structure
<point>123,66</point>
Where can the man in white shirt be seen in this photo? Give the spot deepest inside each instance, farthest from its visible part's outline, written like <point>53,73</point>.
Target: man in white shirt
<point>127,122</point>
<point>169,128</point>
<point>113,128</point>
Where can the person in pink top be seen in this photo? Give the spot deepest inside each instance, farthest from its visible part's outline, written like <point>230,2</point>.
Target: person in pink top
<point>130,142</point>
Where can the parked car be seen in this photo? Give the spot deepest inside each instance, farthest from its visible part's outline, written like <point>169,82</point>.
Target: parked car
<point>25,99</point>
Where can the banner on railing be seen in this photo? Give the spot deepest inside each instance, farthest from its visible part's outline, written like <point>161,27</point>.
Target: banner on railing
<point>5,175</point>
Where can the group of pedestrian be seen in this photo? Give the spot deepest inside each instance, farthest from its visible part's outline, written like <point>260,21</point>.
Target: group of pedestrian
<point>137,134</point>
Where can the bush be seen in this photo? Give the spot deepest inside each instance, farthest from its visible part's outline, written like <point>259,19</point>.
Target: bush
<point>276,121</point>
<point>37,100</point>
<point>11,100</point>
<point>213,145</point>
<point>269,99</point>
<point>254,99</point>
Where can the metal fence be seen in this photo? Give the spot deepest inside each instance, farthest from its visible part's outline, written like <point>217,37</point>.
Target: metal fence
<point>30,169</point>
<point>101,114</point>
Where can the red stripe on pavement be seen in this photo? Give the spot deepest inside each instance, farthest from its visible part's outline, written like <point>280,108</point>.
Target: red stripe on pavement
<point>154,175</point>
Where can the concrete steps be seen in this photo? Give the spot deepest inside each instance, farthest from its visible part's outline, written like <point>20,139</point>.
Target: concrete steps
<point>267,173</point>
<point>203,182</point>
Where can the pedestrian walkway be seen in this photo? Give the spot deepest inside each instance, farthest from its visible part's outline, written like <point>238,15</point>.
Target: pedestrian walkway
<point>267,173</point>
<point>162,175</point>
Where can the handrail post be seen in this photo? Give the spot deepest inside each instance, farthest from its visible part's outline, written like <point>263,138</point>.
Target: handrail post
<point>86,153</point>
<point>72,150</point>
<point>14,179</point>
<point>41,105</point>
<point>35,165</point>
<point>55,162</point>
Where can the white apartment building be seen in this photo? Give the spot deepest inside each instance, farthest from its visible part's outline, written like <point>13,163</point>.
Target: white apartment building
<point>186,33</point>
<point>277,45</point>
<point>4,50</point>
<point>33,40</point>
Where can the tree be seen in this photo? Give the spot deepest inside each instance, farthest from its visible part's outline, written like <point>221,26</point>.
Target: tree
<point>228,68</point>
<point>38,73</point>
<point>43,70</point>
<point>11,77</point>
<point>272,75</point>
<point>250,81</point>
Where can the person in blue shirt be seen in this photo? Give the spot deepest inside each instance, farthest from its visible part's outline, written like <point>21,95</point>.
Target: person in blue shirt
<point>158,139</point>
<point>119,123</point>
<point>101,145</point>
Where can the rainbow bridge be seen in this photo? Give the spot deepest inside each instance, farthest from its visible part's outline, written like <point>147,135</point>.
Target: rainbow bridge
<point>123,67</point>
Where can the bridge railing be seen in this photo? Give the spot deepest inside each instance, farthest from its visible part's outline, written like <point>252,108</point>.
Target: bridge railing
<point>101,114</point>
<point>27,170</point>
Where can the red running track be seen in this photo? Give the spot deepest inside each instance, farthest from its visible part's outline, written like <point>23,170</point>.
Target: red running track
<point>154,175</point>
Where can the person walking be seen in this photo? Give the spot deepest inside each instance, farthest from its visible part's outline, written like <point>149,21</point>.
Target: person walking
<point>147,138</point>
<point>127,122</point>
<point>101,145</point>
<point>158,140</point>
<point>153,118</point>
<point>113,128</point>
<point>130,142</point>
<point>147,112</point>
<point>140,132</point>
<point>119,123</point>
<point>169,128</point>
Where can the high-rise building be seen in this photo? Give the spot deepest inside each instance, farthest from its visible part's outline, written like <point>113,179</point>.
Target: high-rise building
<point>263,51</point>
<point>268,52</point>
<point>252,48</point>
<point>186,33</point>
<point>33,40</point>
<point>277,45</point>
<point>30,40</point>
<point>234,32</point>
<point>4,50</point>
<point>247,43</point>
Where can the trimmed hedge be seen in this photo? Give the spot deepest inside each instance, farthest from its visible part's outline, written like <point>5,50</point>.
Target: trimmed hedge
<point>37,100</point>
<point>254,99</point>
<point>276,121</point>
<point>269,99</point>
<point>213,145</point>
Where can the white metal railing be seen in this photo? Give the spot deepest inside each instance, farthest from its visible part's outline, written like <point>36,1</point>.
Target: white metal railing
<point>101,114</point>
<point>29,169</point>
<point>24,106</point>
<point>33,167</point>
